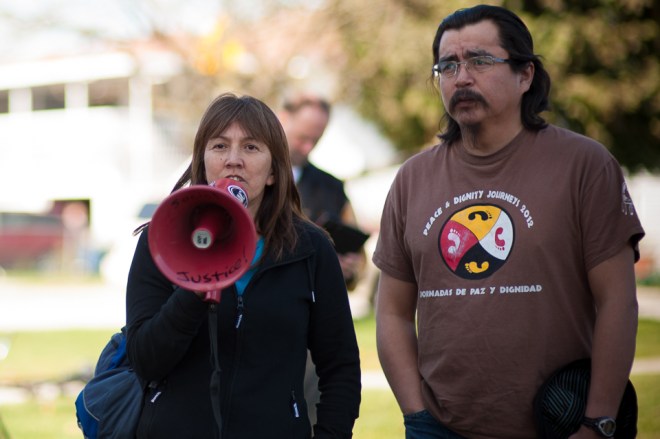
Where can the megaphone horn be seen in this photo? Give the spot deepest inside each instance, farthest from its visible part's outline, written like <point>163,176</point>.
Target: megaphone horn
<point>202,238</point>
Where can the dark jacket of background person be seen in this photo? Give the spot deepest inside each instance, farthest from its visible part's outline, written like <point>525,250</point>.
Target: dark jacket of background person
<point>266,350</point>
<point>322,195</point>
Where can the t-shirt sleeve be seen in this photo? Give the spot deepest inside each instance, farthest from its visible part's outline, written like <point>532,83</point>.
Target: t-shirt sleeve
<point>391,254</point>
<point>608,217</point>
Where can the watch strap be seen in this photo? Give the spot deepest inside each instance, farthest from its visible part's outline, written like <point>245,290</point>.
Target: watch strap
<point>605,426</point>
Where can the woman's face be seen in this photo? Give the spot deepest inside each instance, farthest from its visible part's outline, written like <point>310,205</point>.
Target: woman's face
<point>236,155</point>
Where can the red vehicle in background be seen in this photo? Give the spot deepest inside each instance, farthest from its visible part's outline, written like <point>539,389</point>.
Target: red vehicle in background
<point>29,240</point>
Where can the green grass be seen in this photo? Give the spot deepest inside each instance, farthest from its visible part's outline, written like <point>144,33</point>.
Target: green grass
<point>40,356</point>
<point>54,419</point>
<point>380,417</point>
<point>365,329</point>
<point>64,352</point>
<point>648,339</point>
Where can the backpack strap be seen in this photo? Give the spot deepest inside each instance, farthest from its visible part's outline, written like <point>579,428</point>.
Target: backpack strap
<point>119,355</point>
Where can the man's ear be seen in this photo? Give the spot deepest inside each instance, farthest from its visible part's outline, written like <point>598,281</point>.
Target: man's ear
<point>526,77</point>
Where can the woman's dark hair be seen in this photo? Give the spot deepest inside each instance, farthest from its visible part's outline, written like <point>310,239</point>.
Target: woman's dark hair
<point>516,39</point>
<point>281,202</point>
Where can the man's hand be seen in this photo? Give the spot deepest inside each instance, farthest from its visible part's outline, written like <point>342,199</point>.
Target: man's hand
<point>351,267</point>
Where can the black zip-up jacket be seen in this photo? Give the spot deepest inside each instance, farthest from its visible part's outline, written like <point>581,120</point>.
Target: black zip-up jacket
<point>291,305</point>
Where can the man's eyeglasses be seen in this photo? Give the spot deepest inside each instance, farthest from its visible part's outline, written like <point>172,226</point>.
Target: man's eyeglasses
<point>479,64</point>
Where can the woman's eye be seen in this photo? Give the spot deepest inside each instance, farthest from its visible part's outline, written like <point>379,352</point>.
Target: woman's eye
<point>251,147</point>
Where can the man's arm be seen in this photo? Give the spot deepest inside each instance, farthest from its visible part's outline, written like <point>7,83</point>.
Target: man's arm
<point>613,286</point>
<point>396,339</point>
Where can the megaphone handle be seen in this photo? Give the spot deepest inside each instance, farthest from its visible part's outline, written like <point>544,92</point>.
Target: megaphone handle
<point>212,296</point>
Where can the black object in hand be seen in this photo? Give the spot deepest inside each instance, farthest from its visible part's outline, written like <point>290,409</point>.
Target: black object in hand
<point>347,239</point>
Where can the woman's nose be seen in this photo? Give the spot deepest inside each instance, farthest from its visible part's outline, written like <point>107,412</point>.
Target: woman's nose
<point>234,157</point>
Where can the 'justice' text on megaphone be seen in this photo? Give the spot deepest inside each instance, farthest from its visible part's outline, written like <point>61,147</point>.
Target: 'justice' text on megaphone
<point>202,238</point>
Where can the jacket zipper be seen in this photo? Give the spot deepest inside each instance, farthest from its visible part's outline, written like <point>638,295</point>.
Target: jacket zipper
<point>294,405</point>
<point>153,387</point>
<point>239,311</point>
<point>237,326</point>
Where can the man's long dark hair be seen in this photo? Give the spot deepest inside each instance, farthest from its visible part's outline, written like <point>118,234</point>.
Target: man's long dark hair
<point>516,39</point>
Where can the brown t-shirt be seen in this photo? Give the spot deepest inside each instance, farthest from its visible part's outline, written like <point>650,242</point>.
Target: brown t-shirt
<point>499,248</point>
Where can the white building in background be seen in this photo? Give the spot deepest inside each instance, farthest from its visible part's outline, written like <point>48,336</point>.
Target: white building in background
<point>82,129</point>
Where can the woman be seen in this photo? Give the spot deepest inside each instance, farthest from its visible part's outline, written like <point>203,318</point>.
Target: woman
<point>295,299</point>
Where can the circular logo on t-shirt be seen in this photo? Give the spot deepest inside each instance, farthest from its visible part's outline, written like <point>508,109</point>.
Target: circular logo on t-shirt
<point>476,241</point>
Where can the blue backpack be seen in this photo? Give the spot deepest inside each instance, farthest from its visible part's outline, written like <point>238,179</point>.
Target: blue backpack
<point>110,404</point>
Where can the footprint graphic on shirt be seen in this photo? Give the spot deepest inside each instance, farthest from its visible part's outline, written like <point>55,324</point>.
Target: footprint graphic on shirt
<point>499,242</point>
<point>456,239</point>
<point>475,268</point>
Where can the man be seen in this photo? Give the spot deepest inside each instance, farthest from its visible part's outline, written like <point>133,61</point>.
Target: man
<point>304,119</point>
<point>511,244</point>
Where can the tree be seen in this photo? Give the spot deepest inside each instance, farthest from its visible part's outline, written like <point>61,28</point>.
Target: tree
<point>604,58</point>
<point>602,54</point>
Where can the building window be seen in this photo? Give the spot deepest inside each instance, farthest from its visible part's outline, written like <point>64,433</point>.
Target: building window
<point>48,97</point>
<point>108,92</point>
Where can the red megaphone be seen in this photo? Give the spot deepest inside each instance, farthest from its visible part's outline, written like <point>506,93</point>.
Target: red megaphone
<point>202,238</point>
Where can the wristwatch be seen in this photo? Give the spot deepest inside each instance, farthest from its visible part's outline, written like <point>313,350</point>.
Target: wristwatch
<point>604,426</point>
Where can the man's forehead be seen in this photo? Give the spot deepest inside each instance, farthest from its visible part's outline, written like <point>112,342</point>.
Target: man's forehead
<point>466,53</point>
<point>473,39</point>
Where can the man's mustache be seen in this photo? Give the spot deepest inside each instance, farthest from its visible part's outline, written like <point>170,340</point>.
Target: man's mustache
<point>465,95</point>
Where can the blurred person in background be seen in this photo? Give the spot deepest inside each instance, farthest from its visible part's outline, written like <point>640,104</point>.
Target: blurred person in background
<point>506,251</point>
<point>305,118</point>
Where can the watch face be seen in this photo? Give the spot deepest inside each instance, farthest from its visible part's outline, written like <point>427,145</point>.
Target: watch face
<point>607,427</point>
